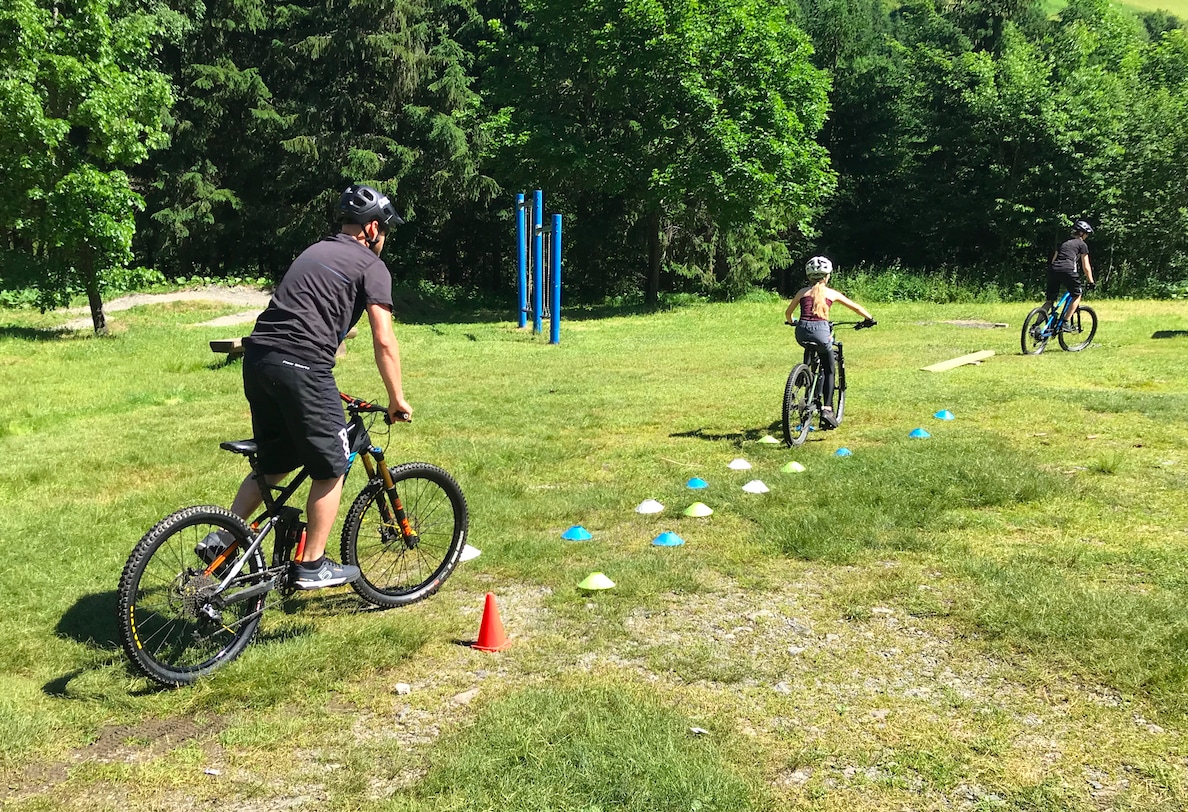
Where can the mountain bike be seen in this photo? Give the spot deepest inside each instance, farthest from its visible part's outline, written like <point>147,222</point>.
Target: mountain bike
<point>187,606</point>
<point>803,399</point>
<point>1074,334</point>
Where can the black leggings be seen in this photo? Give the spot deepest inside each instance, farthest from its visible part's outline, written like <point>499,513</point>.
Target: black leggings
<point>815,336</point>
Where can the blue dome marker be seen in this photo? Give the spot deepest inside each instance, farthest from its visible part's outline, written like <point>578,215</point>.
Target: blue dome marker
<point>696,484</point>
<point>919,434</point>
<point>577,533</point>
<point>667,539</point>
<point>944,414</point>
<point>843,452</point>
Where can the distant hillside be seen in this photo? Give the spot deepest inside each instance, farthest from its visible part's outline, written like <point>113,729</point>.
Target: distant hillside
<point>1176,7</point>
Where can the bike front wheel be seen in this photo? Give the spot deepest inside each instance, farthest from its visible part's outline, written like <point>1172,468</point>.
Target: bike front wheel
<point>797,407</point>
<point>838,399</point>
<point>1035,333</point>
<point>1083,326</point>
<point>402,564</point>
<point>172,627</point>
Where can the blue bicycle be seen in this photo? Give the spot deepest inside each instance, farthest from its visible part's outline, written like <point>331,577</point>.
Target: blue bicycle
<point>1074,334</point>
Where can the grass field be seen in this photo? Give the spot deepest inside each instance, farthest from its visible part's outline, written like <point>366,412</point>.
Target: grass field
<point>992,618</point>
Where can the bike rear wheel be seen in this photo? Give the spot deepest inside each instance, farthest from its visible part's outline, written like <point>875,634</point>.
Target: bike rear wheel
<point>1084,326</point>
<point>1035,333</point>
<point>797,407</point>
<point>169,628</point>
<point>398,570</point>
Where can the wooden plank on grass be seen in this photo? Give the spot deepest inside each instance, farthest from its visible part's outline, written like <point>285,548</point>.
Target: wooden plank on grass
<point>232,346</point>
<point>972,358</point>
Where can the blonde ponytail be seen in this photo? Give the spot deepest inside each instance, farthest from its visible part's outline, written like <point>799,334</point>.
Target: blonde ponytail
<point>820,303</point>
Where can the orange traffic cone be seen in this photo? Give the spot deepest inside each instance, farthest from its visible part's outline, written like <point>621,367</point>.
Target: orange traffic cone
<point>491,637</point>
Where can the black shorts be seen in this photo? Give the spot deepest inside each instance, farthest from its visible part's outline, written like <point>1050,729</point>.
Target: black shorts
<point>297,415</point>
<point>1062,279</point>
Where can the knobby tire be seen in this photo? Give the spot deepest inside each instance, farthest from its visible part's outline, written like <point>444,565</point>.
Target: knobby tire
<point>797,407</point>
<point>1033,338</point>
<point>163,589</point>
<point>396,571</point>
<point>838,401</point>
<point>1085,321</point>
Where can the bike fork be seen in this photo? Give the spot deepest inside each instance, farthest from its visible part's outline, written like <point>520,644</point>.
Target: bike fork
<point>391,509</point>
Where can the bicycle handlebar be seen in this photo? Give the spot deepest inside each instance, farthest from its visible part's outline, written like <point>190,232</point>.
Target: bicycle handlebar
<point>858,325</point>
<point>360,405</point>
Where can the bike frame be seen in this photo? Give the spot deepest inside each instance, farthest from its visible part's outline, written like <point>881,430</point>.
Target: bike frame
<point>276,498</point>
<point>1057,316</point>
<point>813,359</point>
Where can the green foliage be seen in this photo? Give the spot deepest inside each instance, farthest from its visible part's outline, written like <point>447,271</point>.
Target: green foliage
<point>896,284</point>
<point>970,140</point>
<point>79,109</point>
<point>677,131</point>
<point>698,148</point>
<point>385,99</point>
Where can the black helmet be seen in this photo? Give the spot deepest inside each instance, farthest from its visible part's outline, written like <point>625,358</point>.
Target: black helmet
<point>1081,225</point>
<point>361,204</point>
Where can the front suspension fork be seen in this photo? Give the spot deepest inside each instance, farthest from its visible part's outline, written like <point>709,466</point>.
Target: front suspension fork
<point>391,508</point>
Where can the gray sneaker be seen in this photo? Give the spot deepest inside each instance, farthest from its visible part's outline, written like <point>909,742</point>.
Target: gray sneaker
<point>328,574</point>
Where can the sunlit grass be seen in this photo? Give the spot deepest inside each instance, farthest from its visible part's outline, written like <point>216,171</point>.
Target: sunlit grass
<point>1045,527</point>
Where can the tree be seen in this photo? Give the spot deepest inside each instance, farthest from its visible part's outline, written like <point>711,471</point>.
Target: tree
<point>281,105</point>
<point>79,109</point>
<point>689,124</point>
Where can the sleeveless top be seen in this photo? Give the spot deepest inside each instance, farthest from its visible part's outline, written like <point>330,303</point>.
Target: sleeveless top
<point>806,309</point>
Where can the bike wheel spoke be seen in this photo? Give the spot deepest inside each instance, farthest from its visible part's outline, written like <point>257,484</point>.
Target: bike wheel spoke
<point>398,570</point>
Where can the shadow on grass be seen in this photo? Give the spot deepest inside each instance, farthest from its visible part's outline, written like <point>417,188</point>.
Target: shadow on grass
<point>1169,334</point>
<point>735,437</point>
<point>36,333</point>
<point>92,620</point>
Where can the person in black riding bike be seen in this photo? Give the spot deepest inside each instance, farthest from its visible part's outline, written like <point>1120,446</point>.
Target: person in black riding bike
<point>288,379</point>
<point>813,329</point>
<point>1072,254</point>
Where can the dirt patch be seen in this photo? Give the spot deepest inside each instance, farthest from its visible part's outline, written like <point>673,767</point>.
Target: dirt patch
<point>117,744</point>
<point>239,296</point>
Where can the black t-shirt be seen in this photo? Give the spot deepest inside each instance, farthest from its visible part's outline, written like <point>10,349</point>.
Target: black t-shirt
<point>1068,255</point>
<point>320,298</point>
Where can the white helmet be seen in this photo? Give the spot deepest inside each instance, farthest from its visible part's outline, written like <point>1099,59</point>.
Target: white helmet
<point>818,268</point>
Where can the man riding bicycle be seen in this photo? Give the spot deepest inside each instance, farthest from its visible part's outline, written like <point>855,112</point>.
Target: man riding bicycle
<point>1062,269</point>
<point>297,417</point>
<point>813,329</point>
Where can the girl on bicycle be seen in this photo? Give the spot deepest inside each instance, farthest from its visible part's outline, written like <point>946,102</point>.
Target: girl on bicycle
<point>813,330</point>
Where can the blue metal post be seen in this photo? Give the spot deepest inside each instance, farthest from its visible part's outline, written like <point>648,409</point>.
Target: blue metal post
<point>537,257</point>
<point>555,295</point>
<point>522,257</point>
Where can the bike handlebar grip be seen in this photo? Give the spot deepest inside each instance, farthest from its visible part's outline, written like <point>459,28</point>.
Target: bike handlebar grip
<point>405,418</point>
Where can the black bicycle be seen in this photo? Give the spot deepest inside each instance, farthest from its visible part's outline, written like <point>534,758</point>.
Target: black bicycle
<point>188,606</point>
<point>1074,334</point>
<point>803,399</point>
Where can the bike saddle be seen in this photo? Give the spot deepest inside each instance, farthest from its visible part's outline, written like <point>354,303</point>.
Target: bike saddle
<point>244,447</point>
